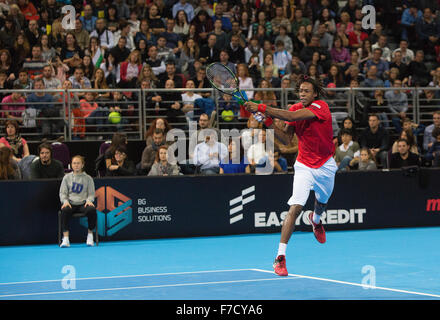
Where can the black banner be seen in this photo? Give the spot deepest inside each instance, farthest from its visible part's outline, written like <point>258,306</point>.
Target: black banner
<point>186,206</point>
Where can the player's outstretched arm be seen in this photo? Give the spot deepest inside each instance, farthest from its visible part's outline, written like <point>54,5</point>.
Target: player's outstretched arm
<point>286,115</point>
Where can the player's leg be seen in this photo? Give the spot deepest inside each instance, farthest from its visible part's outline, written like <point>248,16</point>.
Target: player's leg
<point>302,183</point>
<point>324,184</point>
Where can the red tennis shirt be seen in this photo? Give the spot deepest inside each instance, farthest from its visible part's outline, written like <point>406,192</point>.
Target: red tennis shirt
<point>315,136</point>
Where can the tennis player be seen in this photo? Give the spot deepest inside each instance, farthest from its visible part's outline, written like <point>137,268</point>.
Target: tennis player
<point>315,167</point>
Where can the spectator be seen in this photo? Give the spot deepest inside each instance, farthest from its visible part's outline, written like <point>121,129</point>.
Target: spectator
<point>382,66</point>
<point>281,57</point>
<point>170,74</point>
<point>50,82</point>
<point>433,153</point>
<point>111,70</point>
<point>428,32</point>
<point>224,59</point>
<point>122,9</point>
<point>186,7</point>
<point>301,21</point>
<point>112,17</point>
<point>155,21</point>
<point>300,40</point>
<point>81,34</point>
<point>259,158</point>
<point>408,135</point>
<point>188,99</point>
<point>397,104</point>
<point>195,136</point>
<point>357,36</point>
<point>34,65</point>
<point>352,73</point>
<point>48,52</point>
<point>407,54</point>
<point>268,62</point>
<point>79,80</point>
<point>340,55</point>
<point>105,36</point>
<point>120,164</point>
<point>209,154</point>
<point>99,82</point>
<point>346,151</point>
<point>171,103</point>
<point>33,33</point>
<point>376,138</point>
<point>409,19</point>
<point>417,71</point>
<point>161,166</point>
<point>174,41</point>
<point>267,97</point>
<point>245,80</point>
<point>345,20</point>
<point>124,30</point>
<point>209,52</point>
<point>130,70</point>
<point>94,115</point>
<point>382,44</point>
<point>203,23</point>
<point>181,26</point>
<point>428,139</point>
<point>164,53</point>
<point>77,194</point>
<point>13,105</point>
<point>8,167</point>
<point>401,67</point>
<point>189,55</point>
<point>404,157</point>
<point>366,160</point>
<point>118,139</point>
<point>235,50</point>
<point>416,128</point>
<point>144,33</point>
<point>156,64</point>
<point>71,53</point>
<point>218,15</point>
<point>325,37</point>
<point>334,76</point>
<point>234,163</point>
<point>45,167</point>
<point>365,52</point>
<point>88,20</point>
<point>372,80</point>
<point>14,141</point>
<point>204,6</point>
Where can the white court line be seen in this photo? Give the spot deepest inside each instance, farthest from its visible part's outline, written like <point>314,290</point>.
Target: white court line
<point>355,284</point>
<point>128,276</point>
<point>146,287</point>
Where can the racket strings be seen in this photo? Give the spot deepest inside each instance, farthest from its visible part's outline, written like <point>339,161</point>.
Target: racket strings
<point>221,78</point>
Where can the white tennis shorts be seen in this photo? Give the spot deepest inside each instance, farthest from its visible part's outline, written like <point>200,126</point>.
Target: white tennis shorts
<point>321,180</point>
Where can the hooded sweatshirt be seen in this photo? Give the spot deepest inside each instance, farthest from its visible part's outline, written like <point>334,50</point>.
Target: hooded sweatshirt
<point>77,188</point>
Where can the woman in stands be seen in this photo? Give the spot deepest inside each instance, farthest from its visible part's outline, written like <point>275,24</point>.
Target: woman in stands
<point>13,140</point>
<point>120,164</point>
<point>161,166</point>
<point>77,193</point>
<point>8,167</point>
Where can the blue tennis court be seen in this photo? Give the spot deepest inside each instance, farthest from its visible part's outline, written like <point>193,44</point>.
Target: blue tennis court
<point>385,264</point>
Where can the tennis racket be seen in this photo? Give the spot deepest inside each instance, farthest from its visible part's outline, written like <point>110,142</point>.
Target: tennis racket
<point>224,80</point>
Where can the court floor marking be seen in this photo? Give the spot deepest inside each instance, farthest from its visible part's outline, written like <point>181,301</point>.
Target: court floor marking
<point>130,276</point>
<point>146,287</point>
<point>356,284</point>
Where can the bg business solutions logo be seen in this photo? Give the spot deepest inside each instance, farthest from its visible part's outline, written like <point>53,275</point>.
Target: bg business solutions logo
<point>114,211</point>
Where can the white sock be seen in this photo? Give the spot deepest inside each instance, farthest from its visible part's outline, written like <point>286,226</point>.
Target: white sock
<point>282,249</point>
<point>316,218</point>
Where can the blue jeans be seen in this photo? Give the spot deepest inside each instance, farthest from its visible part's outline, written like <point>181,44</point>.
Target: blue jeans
<point>344,163</point>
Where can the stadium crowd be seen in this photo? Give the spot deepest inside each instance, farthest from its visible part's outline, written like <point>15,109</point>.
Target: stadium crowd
<point>166,44</point>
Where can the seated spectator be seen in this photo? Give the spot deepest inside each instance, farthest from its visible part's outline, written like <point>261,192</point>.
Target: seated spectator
<point>408,22</point>
<point>404,157</point>
<point>340,55</point>
<point>382,44</point>
<point>14,141</point>
<point>224,59</point>
<point>120,52</point>
<point>99,82</point>
<point>111,70</point>
<point>407,54</point>
<point>433,153</point>
<point>372,80</point>
<point>418,71</point>
<point>357,36</point>
<point>209,154</point>
<point>234,163</point>
<point>170,74</point>
<point>34,65</point>
<point>13,105</point>
<point>94,115</point>
<point>77,194</point>
<point>346,151</point>
<point>267,97</point>
<point>123,31</point>
<point>188,56</point>
<point>181,26</point>
<point>155,21</point>
<point>50,81</point>
<point>287,40</point>
<point>397,104</point>
<point>120,164</point>
<point>334,76</point>
<point>245,80</point>
<point>188,98</point>
<point>172,104</point>
<point>130,70</point>
<point>347,124</point>
<point>71,53</point>
<point>8,167</point>
<point>174,41</point>
<point>185,7</point>
<point>376,138</point>
<point>158,123</point>
<point>105,36</point>
<point>225,21</point>
<point>279,163</point>
<point>88,19</point>
<point>150,151</point>
<point>325,37</point>
<point>409,137</point>
<point>428,139</point>
<point>235,50</point>
<point>45,167</point>
<point>382,65</point>
<point>209,52</point>
<point>428,32</point>
<point>365,161</point>
<point>47,109</point>
<point>416,128</point>
<point>164,53</point>
<point>281,57</point>
<point>161,166</point>
<point>89,68</point>
<point>78,80</point>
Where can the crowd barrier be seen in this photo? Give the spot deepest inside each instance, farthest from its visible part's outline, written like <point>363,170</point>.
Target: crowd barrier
<point>188,206</point>
<point>139,111</point>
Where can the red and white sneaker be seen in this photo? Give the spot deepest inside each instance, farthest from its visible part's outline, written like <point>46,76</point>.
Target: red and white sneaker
<point>280,266</point>
<point>318,229</point>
